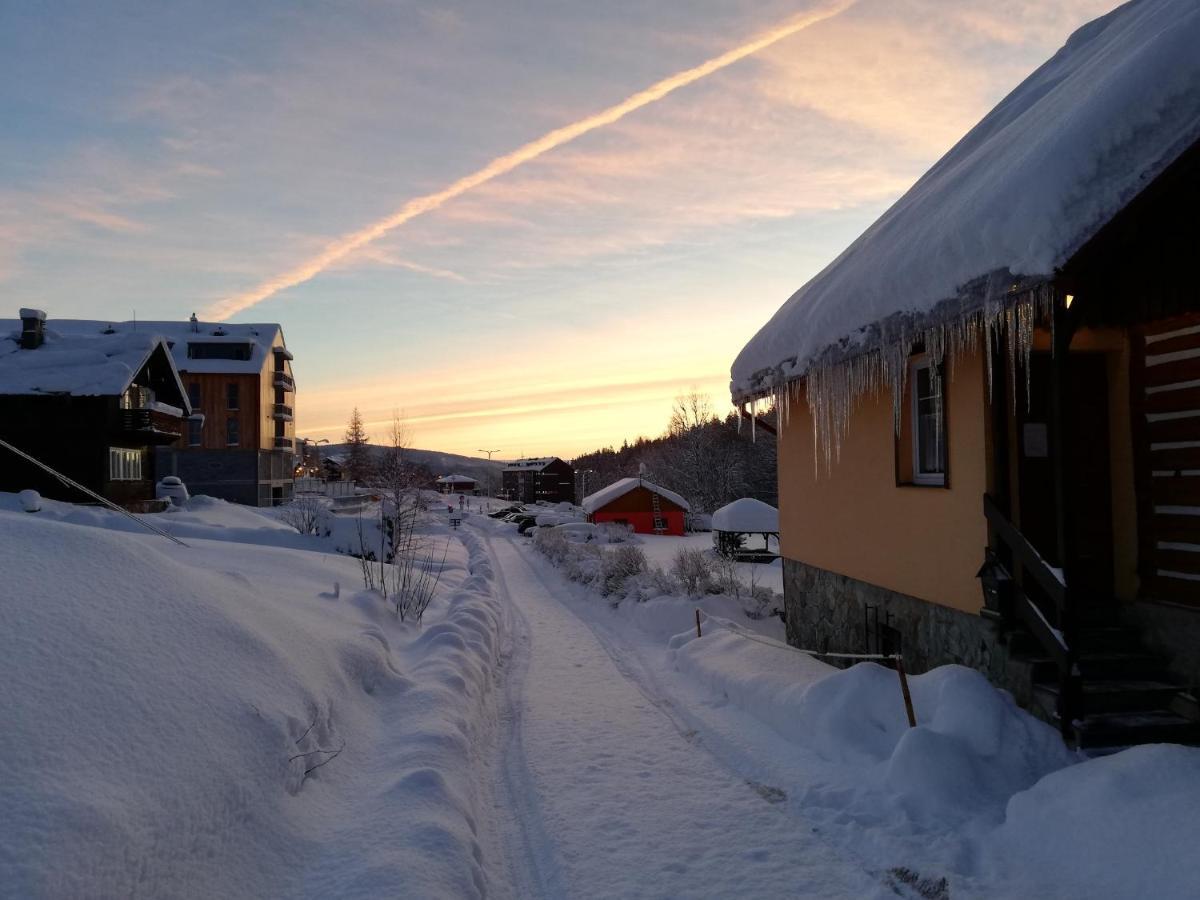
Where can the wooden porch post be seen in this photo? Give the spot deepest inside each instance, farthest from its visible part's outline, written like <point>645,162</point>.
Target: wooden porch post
<point>1063,328</point>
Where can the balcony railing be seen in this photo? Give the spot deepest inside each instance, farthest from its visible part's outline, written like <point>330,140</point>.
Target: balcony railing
<point>151,426</point>
<point>284,443</point>
<point>283,412</point>
<point>285,381</point>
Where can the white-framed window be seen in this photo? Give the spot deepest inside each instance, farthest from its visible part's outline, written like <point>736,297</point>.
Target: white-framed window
<point>195,432</point>
<point>124,464</point>
<point>928,425</point>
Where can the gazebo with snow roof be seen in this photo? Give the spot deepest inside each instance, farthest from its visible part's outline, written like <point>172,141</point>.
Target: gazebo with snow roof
<point>740,520</point>
<point>1001,378</point>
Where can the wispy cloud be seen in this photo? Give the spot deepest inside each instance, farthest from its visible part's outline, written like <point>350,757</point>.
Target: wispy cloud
<point>418,206</point>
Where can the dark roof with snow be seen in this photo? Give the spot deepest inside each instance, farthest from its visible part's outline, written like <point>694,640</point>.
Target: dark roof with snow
<point>91,365</point>
<point>1024,190</point>
<point>260,339</point>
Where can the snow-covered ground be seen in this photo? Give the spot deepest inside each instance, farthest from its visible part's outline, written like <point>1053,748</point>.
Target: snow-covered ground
<point>221,720</point>
<point>212,720</point>
<point>980,800</point>
<point>660,550</point>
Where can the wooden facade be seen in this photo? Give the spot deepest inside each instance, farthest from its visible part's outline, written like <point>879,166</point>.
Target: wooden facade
<point>636,508</point>
<point>104,442</point>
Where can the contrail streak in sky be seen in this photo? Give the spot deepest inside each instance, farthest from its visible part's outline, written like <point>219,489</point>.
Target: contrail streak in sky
<point>501,165</point>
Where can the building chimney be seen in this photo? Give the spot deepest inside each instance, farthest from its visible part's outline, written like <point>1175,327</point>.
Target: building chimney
<point>195,322</point>
<point>33,328</point>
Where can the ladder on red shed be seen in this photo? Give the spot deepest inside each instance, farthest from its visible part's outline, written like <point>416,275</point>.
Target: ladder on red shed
<point>660,524</point>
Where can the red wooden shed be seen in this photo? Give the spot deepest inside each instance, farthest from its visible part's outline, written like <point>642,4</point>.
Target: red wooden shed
<point>647,507</point>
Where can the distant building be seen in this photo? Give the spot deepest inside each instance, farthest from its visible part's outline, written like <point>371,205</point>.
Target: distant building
<point>640,504</point>
<point>239,379</point>
<point>545,478</point>
<point>455,484</point>
<point>91,402</point>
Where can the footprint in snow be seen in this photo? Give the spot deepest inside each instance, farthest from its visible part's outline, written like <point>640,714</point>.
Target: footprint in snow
<point>768,793</point>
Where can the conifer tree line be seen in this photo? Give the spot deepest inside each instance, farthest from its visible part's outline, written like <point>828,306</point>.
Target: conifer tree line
<point>700,455</point>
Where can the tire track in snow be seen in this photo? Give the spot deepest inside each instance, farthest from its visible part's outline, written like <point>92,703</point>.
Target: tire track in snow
<point>531,865</point>
<point>623,802</point>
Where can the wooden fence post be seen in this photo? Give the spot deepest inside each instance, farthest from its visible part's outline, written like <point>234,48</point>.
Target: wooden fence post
<point>908,707</point>
<point>698,634</point>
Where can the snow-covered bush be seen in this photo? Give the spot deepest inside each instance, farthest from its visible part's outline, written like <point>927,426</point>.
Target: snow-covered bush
<point>694,570</point>
<point>308,515</point>
<point>618,565</point>
<point>552,544</point>
<point>615,533</point>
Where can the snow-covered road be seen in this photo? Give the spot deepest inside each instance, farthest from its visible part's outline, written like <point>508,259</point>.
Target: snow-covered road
<point>604,790</point>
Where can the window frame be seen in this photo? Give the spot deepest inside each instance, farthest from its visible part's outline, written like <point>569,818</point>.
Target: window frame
<point>125,464</point>
<point>919,478</point>
<point>233,392</point>
<point>233,432</point>
<point>195,428</point>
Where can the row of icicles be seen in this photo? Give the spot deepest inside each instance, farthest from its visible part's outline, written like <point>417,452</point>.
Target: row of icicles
<point>832,388</point>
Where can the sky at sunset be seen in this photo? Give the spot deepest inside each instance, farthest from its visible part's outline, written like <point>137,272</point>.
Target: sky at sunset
<point>377,177</point>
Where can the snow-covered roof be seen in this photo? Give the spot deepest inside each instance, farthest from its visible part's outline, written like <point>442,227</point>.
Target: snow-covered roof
<point>260,339</point>
<point>534,463</point>
<point>1015,198</point>
<point>455,479</point>
<point>605,496</point>
<point>746,515</point>
<point>94,365</point>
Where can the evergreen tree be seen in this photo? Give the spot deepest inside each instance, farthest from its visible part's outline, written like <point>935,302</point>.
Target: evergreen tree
<point>358,451</point>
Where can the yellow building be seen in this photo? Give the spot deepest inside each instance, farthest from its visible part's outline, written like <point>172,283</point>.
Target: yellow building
<point>989,405</point>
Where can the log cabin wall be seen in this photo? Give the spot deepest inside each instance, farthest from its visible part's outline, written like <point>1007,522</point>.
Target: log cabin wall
<point>1165,395</point>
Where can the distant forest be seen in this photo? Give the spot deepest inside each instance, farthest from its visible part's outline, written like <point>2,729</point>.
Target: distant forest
<point>700,455</point>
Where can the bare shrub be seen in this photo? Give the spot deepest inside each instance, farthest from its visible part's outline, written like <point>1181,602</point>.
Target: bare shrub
<point>618,565</point>
<point>307,515</point>
<point>725,577</point>
<point>694,570</point>
<point>552,544</point>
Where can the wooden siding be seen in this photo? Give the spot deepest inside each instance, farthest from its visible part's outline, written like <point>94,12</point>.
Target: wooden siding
<point>1165,397</point>
<point>214,405</point>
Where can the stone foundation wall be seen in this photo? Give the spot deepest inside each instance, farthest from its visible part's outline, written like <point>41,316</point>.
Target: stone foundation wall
<point>827,611</point>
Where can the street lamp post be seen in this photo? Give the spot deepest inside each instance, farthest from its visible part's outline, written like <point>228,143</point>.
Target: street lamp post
<point>583,474</point>
<point>489,474</point>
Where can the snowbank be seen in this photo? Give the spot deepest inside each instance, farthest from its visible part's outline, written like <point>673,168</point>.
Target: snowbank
<point>215,716</point>
<point>1119,826</point>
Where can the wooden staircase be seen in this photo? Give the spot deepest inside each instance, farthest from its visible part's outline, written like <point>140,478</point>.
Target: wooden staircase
<point>1125,695</point>
<point>1089,672</point>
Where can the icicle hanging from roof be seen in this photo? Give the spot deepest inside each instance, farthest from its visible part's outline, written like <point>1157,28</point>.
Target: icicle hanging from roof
<point>833,386</point>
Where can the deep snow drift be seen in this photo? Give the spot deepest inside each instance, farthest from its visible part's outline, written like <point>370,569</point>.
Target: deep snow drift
<point>213,720</point>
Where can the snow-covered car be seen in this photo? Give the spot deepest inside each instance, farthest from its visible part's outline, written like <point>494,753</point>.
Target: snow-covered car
<point>579,532</point>
<point>172,488</point>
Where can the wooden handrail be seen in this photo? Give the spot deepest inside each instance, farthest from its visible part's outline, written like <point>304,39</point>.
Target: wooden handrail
<point>1052,639</point>
<point>1025,553</point>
